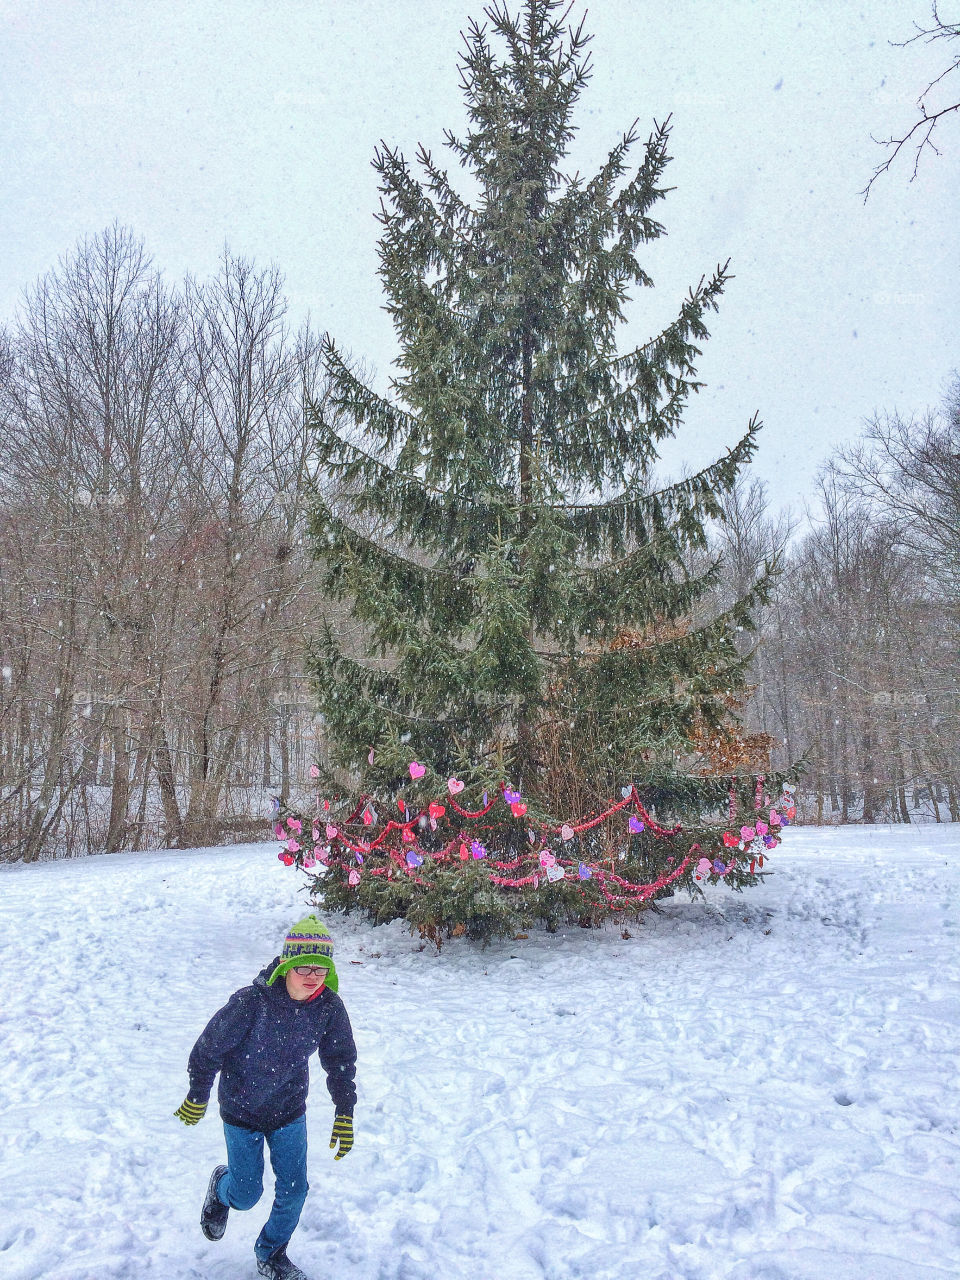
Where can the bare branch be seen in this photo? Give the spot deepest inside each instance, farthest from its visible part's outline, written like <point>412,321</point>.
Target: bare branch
<point>920,134</point>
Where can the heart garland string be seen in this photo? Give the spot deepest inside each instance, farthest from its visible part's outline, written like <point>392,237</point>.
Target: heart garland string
<point>550,866</point>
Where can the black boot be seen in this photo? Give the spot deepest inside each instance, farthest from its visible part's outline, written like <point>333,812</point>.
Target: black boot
<point>279,1267</point>
<point>213,1215</point>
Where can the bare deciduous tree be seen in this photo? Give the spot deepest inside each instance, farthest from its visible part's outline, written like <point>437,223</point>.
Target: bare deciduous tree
<point>154,589</point>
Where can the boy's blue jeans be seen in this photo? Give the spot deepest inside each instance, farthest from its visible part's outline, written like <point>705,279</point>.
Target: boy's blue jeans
<point>242,1185</point>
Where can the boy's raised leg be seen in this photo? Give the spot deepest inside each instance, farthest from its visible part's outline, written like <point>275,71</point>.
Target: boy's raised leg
<point>214,1214</point>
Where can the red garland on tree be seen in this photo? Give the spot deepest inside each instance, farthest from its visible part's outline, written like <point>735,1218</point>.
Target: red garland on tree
<point>416,844</point>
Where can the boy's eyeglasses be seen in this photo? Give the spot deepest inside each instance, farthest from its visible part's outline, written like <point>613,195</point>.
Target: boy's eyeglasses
<point>304,971</point>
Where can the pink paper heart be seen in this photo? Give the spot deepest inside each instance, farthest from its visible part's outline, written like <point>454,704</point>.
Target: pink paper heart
<point>762,828</point>
<point>354,877</point>
<point>417,770</point>
<point>704,867</point>
<point>314,771</point>
<point>370,758</point>
<point>332,832</point>
<point>547,859</point>
<point>747,833</point>
<point>367,818</point>
<point>455,786</point>
<point>566,832</point>
<point>292,846</point>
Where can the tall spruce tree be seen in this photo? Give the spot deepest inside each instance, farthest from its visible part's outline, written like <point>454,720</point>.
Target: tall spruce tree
<point>534,610</point>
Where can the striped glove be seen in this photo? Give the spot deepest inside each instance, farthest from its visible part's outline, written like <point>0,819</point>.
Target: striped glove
<point>190,1112</point>
<point>342,1133</point>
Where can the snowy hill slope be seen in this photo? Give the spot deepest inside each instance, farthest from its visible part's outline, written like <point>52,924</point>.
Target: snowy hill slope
<point>763,1088</point>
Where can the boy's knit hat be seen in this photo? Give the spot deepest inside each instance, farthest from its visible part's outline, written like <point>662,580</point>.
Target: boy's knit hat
<point>307,942</point>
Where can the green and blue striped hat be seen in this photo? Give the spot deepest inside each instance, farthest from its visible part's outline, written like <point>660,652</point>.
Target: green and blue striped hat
<point>307,942</point>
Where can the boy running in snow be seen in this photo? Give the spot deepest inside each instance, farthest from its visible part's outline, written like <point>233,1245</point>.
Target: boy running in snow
<point>261,1042</point>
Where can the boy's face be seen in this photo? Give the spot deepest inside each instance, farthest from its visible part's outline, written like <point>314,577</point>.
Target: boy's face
<point>303,986</point>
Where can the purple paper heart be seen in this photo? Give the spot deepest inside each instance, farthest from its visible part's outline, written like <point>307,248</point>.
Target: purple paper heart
<point>636,826</point>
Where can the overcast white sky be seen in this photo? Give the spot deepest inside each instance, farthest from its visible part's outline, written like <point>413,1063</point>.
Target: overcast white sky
<point>253,123</point>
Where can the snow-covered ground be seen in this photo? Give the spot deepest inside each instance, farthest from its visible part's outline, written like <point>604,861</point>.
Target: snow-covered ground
<point>765,1087</point>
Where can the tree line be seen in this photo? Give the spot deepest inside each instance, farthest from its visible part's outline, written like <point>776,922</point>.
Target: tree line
<point>154,591</point>
<point>157,594</point>
<point>857,669</point>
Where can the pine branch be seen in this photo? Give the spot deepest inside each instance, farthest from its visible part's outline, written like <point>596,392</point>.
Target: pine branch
<point>687,503</point>
<point>637,590</point>
<point>349,396</point>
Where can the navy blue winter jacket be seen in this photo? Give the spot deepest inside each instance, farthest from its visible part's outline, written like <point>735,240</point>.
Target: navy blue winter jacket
<point>261,1042</point>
